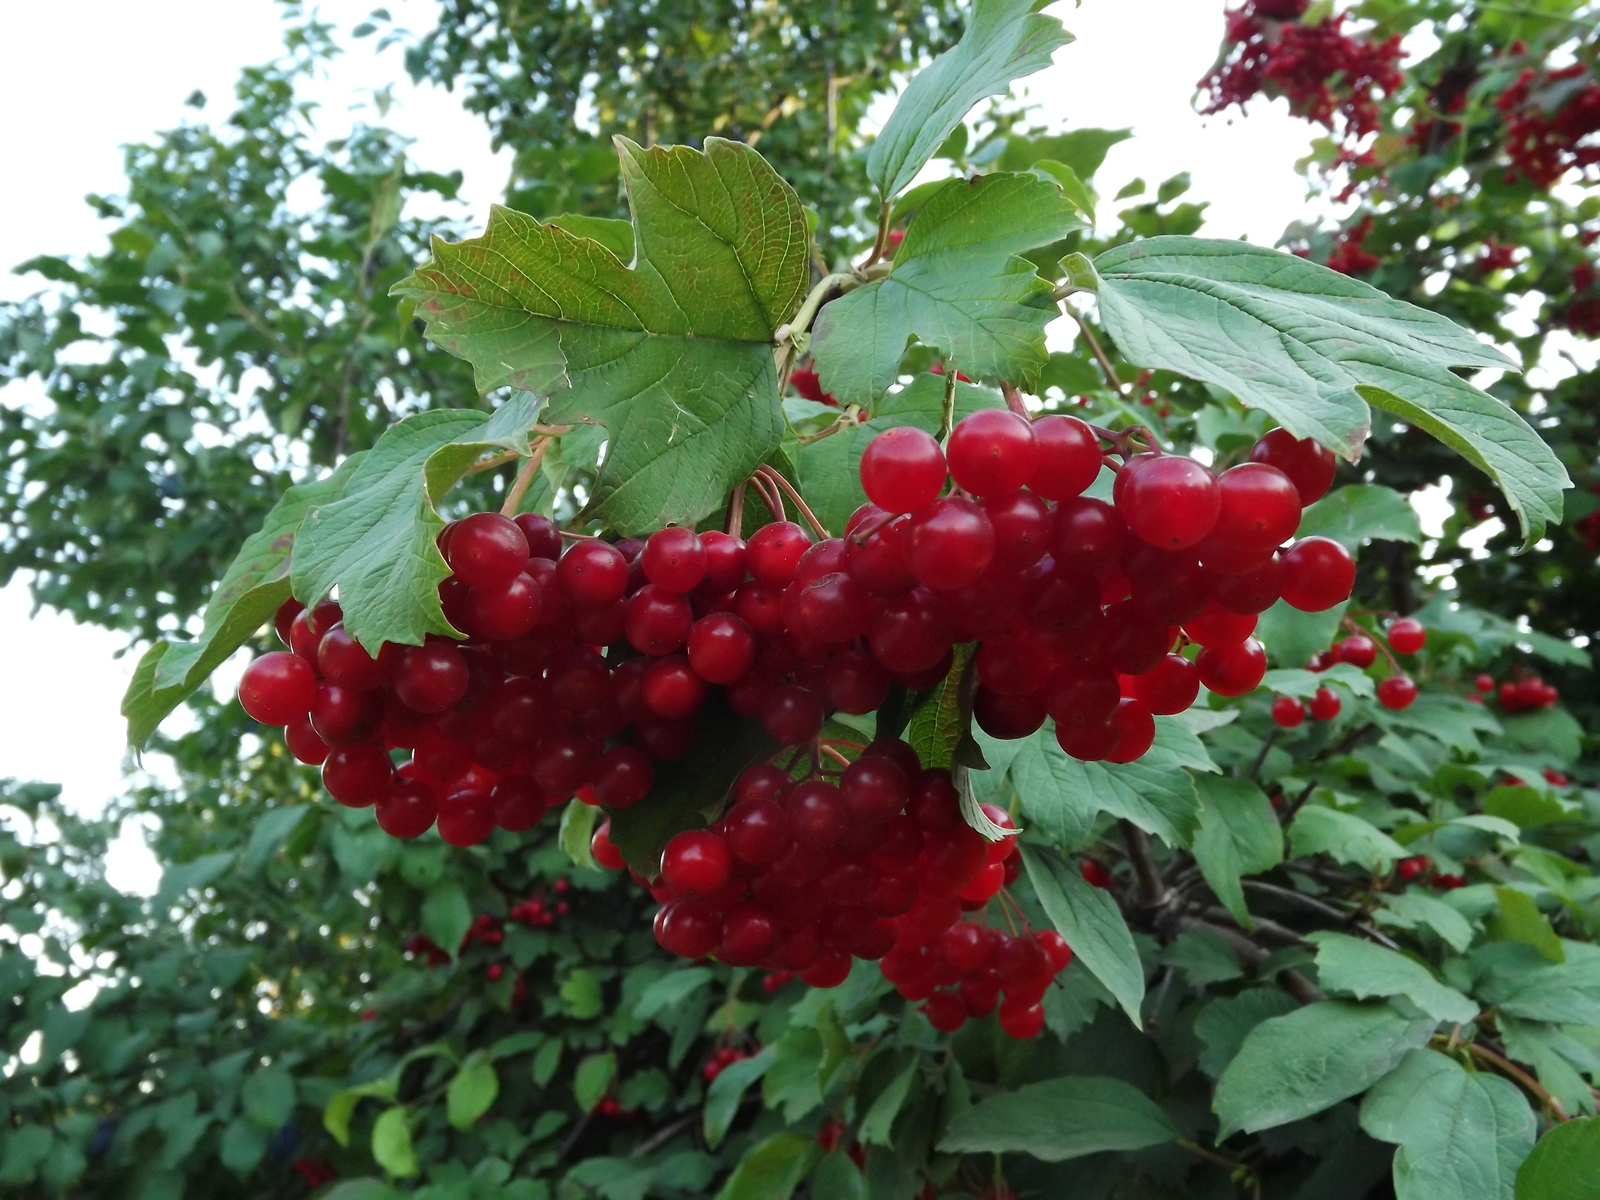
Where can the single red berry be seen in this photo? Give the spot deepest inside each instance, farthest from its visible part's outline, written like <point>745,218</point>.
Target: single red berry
<point>1397,692</point>
<point>774,551</point>
<point>1259,510</point>
<point>1216,626</point>
<point>903,469</point>
<point>1309,466</point>
<point>1169,687</point>
<point>431,678</point>
<point>671,689</point>
<point>1358,650</point>
<point>407,809</point>
<point>466,818</point>
<point>1167,500</point>
<point>278,687</point>
<point>945,1011</point>
<point>1413,867</point>
<point>1056,949</point>
<point>542,534</point>
<point>696,864</point>
<point>1089,536</point>
<point>1233,670</point>
<point>1325,705</point>
<point>303,741</point>
<point>605,851</point>
<point>342,660</point>
<point>1136,731</point>
<point>1318,573</point>
<point>1094,874</point>
<point>793,714</point>
<point>674,559</point>
<point>519,803</point>
<point>486,550</point>
<point>1069,457</point>
<point>1287,712</point>
<point>593,574</point>
<point>949,543</point>
<point>1021,1021</point>
<point>992,452</point>
<point>1407,636</point>
<point>657,621</point>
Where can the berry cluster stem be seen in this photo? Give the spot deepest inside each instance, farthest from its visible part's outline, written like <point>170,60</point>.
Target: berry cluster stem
<point>530,468</point>
<point>775,478</point>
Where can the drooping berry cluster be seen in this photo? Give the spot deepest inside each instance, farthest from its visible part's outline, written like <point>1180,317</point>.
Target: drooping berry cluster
<point>1405,636</point>
<point>1328,75</point>
<point>873,860</point>
<point>1523,693</point>
<point>1551,119</point>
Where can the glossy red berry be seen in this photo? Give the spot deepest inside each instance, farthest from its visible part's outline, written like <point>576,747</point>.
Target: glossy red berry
<point>1413,867</point>
<point>725,561</point>
<point>1318,573</point>
<point>1136,731</point>
<point>486,550</point>
<point>1407,636</point>
<point>431,678</point>
<point>949,543</point>
<point>1089,536</point>
<point>793,714</point>
<point>674,559</point>
<point>1216,626</point>
<point>774,551</point>
<point>542,534</point>
<point>1167,500</point>
<point>1358,650</point>
<point>407,809</point>
<point>992,452</point>
<point>1259,510</point>
<point>605,851</point>
<point>1397,692</point>
<point>466,818</point>
<point>1233,670</point>
<point>903,469</point>
<point>1325,705</point>
<point>278,687</point>
<point>506,613</point>
<point>1168,688</point>
<point>945,1011</point>
<point>696,864</point>
<point>357,775</point>
<point>687,930</point>
<point>519,803</point>
<point>1021,1021</point>
<point>593,574</point>
<point>622,777</point>
<point>1069,457</point>
<point>1308,465</point>
<point>1483,684</point>
<point>303,741</point>
<point>1287,712</point>
<point>657,621</point>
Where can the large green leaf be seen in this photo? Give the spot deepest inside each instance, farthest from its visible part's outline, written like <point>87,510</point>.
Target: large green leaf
<point>828,470</point>
<point>1565,1165</point>
<point>1298,1064</point>
<point>772,1169</point>
<point>1461,1135</point>
<point>256,583</point>
<point>1093,926</point>
<point>1239,835</point>
<point>1361,511</point>
<point>1060,1119</point>
<point>1318,829</point>
<point>471,1092</point>
<point>1568,993</point>
<point>1364,970</point>
<point>376,543</point>
<point>672,355</point>
<point>1313,348</point>
<point>268,1097</point>
<point>1062,795</point>
<point>689,791</point>
<point>1004,40</point>
<point>391,1143</point>
<point>957,284</point>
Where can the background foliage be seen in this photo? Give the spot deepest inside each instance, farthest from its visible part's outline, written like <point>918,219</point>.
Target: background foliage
<point>307,1004</point>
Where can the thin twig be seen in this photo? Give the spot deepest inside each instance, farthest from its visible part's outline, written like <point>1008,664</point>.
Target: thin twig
<point>776,477</point>
<point>736,510</point>
<point>665,1134</point>
<point>947,420</point>
<point>1521,1076</point>
<point>489,464</point>
<point>1014,400</point>
<point>770,496</point>
<point>1267,930</point>
<point>1096,348</point>
<point>1299,802</point>
<point>1152,891</point>
<point>1261,757</point>
<point>519,489</point>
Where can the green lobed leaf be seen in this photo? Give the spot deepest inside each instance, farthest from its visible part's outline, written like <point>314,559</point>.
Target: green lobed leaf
<point>1564,1165</point>
<point>772,1169</point>
<point>1342,836</point>
<point>1364,970</point>
<point>446,915</point>
<point>690,790</point>
<point>1004,40</point>
<point>1415,907</point>
<point>592,1080</point>
<point>828,470</point>
<point>727,1091</point>
<point>1361,512</point>
<point>1462,1135</point>
<point>1299,1064</point>
<point>1089,919</point>
<point>1291,681</point>
<point>957,285</point>
<point>1293,638</point>
<point>1060,1119</point>
<point>1225,1022</point>
<point>391,1143</point>
<point>342,1106</point>
<point>941,720</point>
<point>268,1097</point>
<point>1518,919</point>
<point>1566,993</point>
<point>838,1178</point>
<point>471,1092</point>
<point>578,821</point>
<point>255,585</point>
<point>1526,807</point>
<point>1239,835</point>
<point>1313,347</point>
<point>672,354</point>
<point>879,1119</point>
<point>582,994</point>
<point>377,542</point>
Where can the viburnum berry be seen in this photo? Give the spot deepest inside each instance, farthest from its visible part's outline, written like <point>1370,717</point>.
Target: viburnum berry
<point>1217,626</point>
<point>430,678</point>
<point>486,550</point>
<point>407,809</point>
<point>593,574</point>
<point>1407,636</point>
<point>278,687</point>
<point>1358,650</point>
<point>774,551</point>
<point>1069,457</point>
<point>542,535</point>
<point>1287,712</point>
<point>1233,670</point>
<point>793,714</point>
<point>696,864</point>
<point>1259,510</point>
<point>1136,731</point>
<point>466,817</point>
<point>1397,692</point>
<point>674,559</point>
<point>1318,573</point>
<point>949,543</point>
<point>992,452</point>
<point>1325,705</point>
<point>903,469</point>
<point>1167,500</point>
<point>657,621</point>
<point>1484,684</point>
<point>1309,466</point>
<point>1255,592</point>
<point>1169,687</point>
<point>721,647</point>
<point>1414,867</point>
<point>1021,1021</point>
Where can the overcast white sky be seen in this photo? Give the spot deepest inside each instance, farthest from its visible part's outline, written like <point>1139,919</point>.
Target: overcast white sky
<point>81,78</point>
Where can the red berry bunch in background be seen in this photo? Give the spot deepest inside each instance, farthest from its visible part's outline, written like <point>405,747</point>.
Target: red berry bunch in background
<point>1330,76</point>
<point>721,1059</point>
<point>1550,120</point>
<point>1524,693</point>
<point>1405,636</point>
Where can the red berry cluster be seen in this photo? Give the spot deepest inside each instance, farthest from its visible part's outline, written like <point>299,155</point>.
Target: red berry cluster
<point>1405,636</point>
<point>1328,75</point>
<point>1550,122</point>
<point>1420,866</point>
<point>1349,254</point>
<point>315,1171</point>
<point>1289,712</point>
<point>1524,693</point>
<point>721,1059</point>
